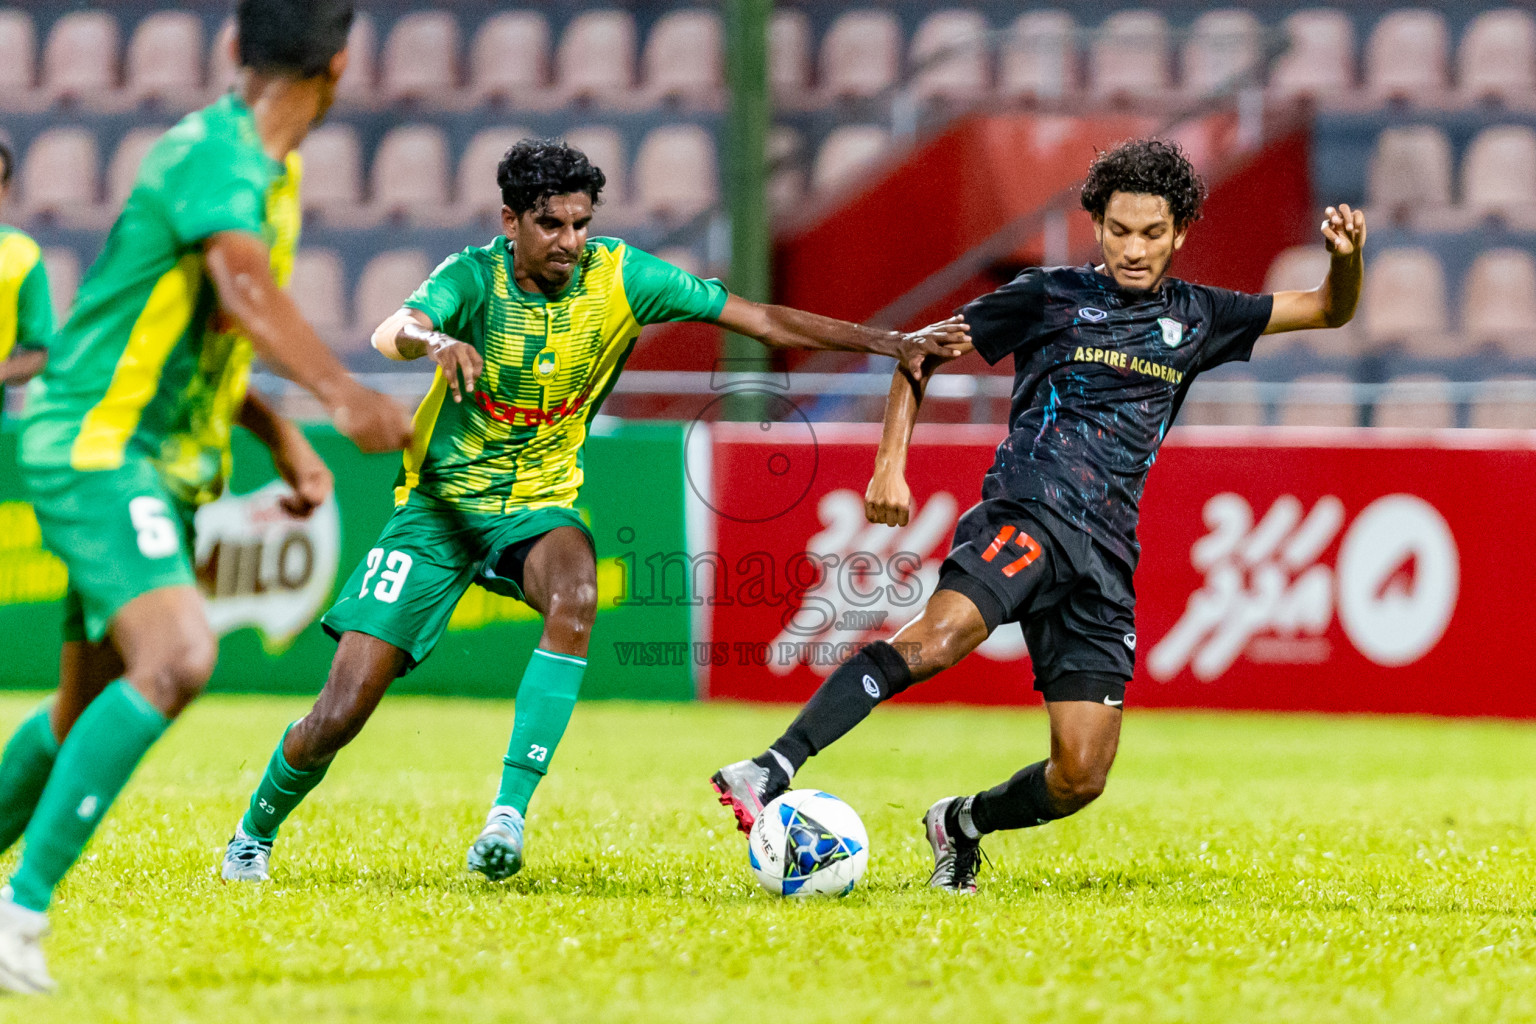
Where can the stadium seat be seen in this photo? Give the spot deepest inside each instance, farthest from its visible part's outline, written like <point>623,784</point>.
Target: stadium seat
<point>845,153</point>
<point>786,170</point>
<point>1498,175</point>
<point>789,58</point>
<point>860,55</point>
<point>1128,61</point>
<point>1416,400</point>
<point>333,174</point>
<point>359,85</point>
<point>477,198</point>
<point>123,169</point>
<point>1404,301</point>
<point>420,66</point>
<point>1410,175</point>
<point>1225,49</point>
<point>1039,59</point>
<point>1302,268</point>
<point>604,147</point>
<point>165,61</point>
<point>675,176</point>
<point>1406,58</point>
<point>410,175</point>
<point>596,61</point>
<point>386,282</point>
<point>319,287</point>
<point>1313,401</point>
<point>509,61</point>
<point>63,266</point>
<point>1319,64</point>
<point>950,57</point>
<point>1498,303</point>
<point>685,61</point>
<point>1505,403</point>
<point>1497,59</point>
<point>1241,407</point>
<point>80,60</point>
<point>61,177</point>
<point>18,62</point>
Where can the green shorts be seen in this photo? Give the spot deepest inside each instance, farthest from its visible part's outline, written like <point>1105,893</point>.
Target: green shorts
<point>120,534</point>
<point>405,591</point>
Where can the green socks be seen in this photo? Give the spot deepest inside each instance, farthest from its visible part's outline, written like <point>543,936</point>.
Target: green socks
<point>544,704</point>
<point>93,765</point>
<point>24,772</point>
<point>282,788</point>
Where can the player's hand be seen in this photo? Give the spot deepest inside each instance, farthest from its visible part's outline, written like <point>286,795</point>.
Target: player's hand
<point>887,499</point>
<point>1344,230</point>
<point>301,468</point>
<point>460,363</point>
<point>370,420</point>
<point>943,341</point>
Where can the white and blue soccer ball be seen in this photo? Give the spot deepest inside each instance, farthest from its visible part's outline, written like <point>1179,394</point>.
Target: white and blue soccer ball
<point>808,843</point>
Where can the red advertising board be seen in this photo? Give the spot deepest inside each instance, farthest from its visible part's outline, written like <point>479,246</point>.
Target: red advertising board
<point>1380,571</point>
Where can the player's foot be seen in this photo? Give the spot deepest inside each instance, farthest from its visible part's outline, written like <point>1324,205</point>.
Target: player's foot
<point>746,787</point>
<point>498,849</point>
<point>956,856</point>
<point>247,858</point>
<point>22,967</point>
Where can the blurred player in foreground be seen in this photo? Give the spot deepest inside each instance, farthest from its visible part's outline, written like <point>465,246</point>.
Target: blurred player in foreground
<point>529,334</point>
<point>26,311</point>
<point>128,432</point>
<point>1103,358</point>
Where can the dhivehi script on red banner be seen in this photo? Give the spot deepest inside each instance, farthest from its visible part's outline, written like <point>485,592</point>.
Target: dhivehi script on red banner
<point>1369,570</point>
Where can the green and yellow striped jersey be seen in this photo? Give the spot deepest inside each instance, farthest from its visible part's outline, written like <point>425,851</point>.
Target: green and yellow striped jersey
<point>147,365</point>
<point>549,364</point>
<point>26,311</point>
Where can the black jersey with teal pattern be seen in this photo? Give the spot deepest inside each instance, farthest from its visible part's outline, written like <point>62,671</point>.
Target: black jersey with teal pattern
<point>1099,375</point>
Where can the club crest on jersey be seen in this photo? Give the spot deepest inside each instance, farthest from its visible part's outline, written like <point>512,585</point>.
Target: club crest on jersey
<point>1173,331</point>
<point>1092,315</point>
<point>545,364</point>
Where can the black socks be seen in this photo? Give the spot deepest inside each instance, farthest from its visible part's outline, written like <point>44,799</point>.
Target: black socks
<point>875,674</point>
<point>1021,802</point>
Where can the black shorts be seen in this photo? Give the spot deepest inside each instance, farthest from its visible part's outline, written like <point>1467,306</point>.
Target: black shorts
<point>1018,563</point>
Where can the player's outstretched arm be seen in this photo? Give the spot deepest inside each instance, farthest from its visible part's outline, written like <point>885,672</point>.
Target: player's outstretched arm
<point>296,461</point>
<point>23,365</point>
<point>1332,303</point>
<point>410,334</point>
<point>240,266</point>
<point>783,327</point>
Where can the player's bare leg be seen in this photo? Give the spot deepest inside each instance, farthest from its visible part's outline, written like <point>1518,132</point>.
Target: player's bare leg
<point>559,581</point>
<point>361,673</point>
<point>949,627</point>
<point>168,653</point>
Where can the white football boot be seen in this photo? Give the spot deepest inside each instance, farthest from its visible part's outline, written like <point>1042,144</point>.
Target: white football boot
<point>498,850</point>
<point>956,857</point>
<point>22,967</point>
<point>746,787</point>
<point>246,859</point>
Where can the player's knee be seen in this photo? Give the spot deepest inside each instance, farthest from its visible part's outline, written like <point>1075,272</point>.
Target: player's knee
<point>573,608</point>
<point>1079,782</point>
<point>179,670</point>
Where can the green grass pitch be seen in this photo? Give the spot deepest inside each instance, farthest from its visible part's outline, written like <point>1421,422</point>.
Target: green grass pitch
<point>1240,868</point>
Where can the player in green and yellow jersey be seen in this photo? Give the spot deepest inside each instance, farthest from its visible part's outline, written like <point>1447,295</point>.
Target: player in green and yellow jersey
<point>26,312</point>
<point>128,431</point>
<point>529,335</point>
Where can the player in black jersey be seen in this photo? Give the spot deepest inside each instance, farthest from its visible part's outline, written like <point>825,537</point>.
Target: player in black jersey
<point>1103,357</point>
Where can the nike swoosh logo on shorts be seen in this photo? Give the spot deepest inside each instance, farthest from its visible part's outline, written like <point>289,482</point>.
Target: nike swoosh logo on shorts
<point>1114,703</point>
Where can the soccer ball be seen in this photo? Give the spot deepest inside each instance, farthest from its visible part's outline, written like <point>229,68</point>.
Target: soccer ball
<point>808,843</point>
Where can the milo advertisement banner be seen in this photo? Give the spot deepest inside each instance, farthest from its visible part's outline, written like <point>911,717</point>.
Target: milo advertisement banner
<point>268,577</point>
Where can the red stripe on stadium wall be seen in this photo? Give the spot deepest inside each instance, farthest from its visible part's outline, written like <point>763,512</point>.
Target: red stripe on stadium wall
<point>1352,571</point>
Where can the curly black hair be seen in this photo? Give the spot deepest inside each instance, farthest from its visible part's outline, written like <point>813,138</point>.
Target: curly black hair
<point>1150,167</point>
<point>292,36</point>
<point>536,169</point>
